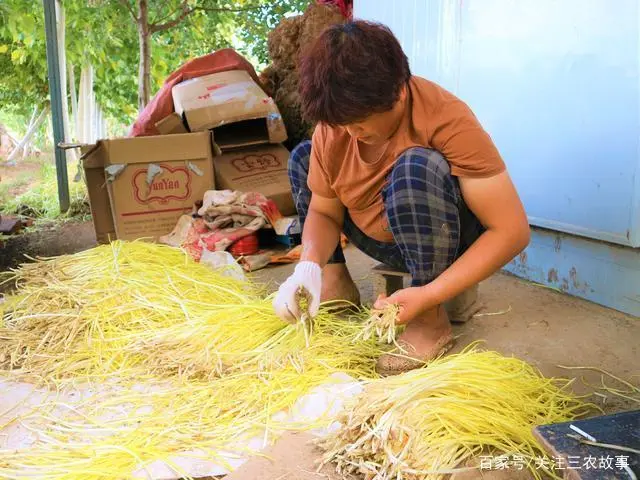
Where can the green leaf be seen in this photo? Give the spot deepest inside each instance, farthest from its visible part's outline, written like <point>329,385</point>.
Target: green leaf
<point>28,24</point>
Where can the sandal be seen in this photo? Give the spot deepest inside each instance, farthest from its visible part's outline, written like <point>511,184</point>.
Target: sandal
<point>400,360</point>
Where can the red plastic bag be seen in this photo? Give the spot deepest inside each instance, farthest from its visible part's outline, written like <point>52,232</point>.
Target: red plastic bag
<point>162,104</point>
<point>345,6</point>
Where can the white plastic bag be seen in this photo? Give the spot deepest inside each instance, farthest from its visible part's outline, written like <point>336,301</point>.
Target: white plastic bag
<point>224,262</point>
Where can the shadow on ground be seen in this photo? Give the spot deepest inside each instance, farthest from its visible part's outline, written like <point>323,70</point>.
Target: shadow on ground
<point>47,240</point>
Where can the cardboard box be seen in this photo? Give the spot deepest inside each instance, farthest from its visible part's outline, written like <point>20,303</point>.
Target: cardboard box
<point>256,131</point>
<point>93,165</point>
<point>225,102</point>
<point>260,169</point>
<point>171,124</point>
<point>139,187</point>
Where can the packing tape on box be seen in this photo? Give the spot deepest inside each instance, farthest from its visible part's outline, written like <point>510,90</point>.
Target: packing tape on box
<point>273,120</point>
<point>113,171</point>
<point>153,171</point>
<point>194,168</point>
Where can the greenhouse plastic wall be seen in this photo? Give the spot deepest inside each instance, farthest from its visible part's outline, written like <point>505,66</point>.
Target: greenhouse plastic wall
<point>556,84</point>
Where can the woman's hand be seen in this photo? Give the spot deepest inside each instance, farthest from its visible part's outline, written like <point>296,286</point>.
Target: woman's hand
<point>414,302</point>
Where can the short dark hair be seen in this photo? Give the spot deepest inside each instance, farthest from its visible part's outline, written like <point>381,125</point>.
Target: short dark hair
<point>351,71</point>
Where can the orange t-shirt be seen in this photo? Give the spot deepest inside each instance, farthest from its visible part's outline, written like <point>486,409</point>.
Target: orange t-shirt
<point>433,118</point>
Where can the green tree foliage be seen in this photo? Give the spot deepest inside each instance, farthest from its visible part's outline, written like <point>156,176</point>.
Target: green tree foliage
<point>103,33</point>
<point>23,82</point>
<point>104,36</point>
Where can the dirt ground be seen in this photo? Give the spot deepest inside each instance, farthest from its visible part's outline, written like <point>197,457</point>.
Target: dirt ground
<point>544,327</point>
<point>47,241</point>
<point>19,177</point>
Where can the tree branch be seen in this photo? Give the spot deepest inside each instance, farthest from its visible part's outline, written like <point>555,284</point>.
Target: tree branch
<point>228,9</point>
<point>159,27</point>
<point>169,15</point>
<point>128,7</point>
<point>186,11</point>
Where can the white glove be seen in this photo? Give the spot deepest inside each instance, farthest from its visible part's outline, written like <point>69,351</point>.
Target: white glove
<point>307,275</point>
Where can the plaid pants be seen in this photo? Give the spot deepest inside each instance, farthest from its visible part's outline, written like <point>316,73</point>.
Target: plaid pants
<point>430,223</point>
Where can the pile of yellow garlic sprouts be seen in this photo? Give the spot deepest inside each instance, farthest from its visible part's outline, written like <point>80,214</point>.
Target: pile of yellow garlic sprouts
<point>425,424</point>
<point>125,315</point>
<point>174,359</point>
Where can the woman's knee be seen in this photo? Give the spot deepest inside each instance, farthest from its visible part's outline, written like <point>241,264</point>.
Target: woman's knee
<point>422,207</point>
<point>424,169</point>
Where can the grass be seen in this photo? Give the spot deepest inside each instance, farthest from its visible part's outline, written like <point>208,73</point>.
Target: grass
<point>34,194</point>
<point>8,189</point>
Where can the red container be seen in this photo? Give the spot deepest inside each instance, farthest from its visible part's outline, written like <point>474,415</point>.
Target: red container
<point>248,245</point>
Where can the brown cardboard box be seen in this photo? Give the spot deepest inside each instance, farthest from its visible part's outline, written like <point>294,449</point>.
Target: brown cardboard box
<point>171,124</point>
<point>230,103</point>
<point>255,131</point>
<point>151,182</point>
<point>93,165</point>
<point>260,169</point>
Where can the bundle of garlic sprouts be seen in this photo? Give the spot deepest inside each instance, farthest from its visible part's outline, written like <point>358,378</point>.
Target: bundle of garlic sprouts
<point>428,422</point>
<point>381,324</point>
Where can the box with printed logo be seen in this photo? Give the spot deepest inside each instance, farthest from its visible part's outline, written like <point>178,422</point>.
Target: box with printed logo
<point>260,169</point>
<point>149,181</point>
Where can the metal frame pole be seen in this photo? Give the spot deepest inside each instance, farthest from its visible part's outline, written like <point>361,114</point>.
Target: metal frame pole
<point>53,65</point>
